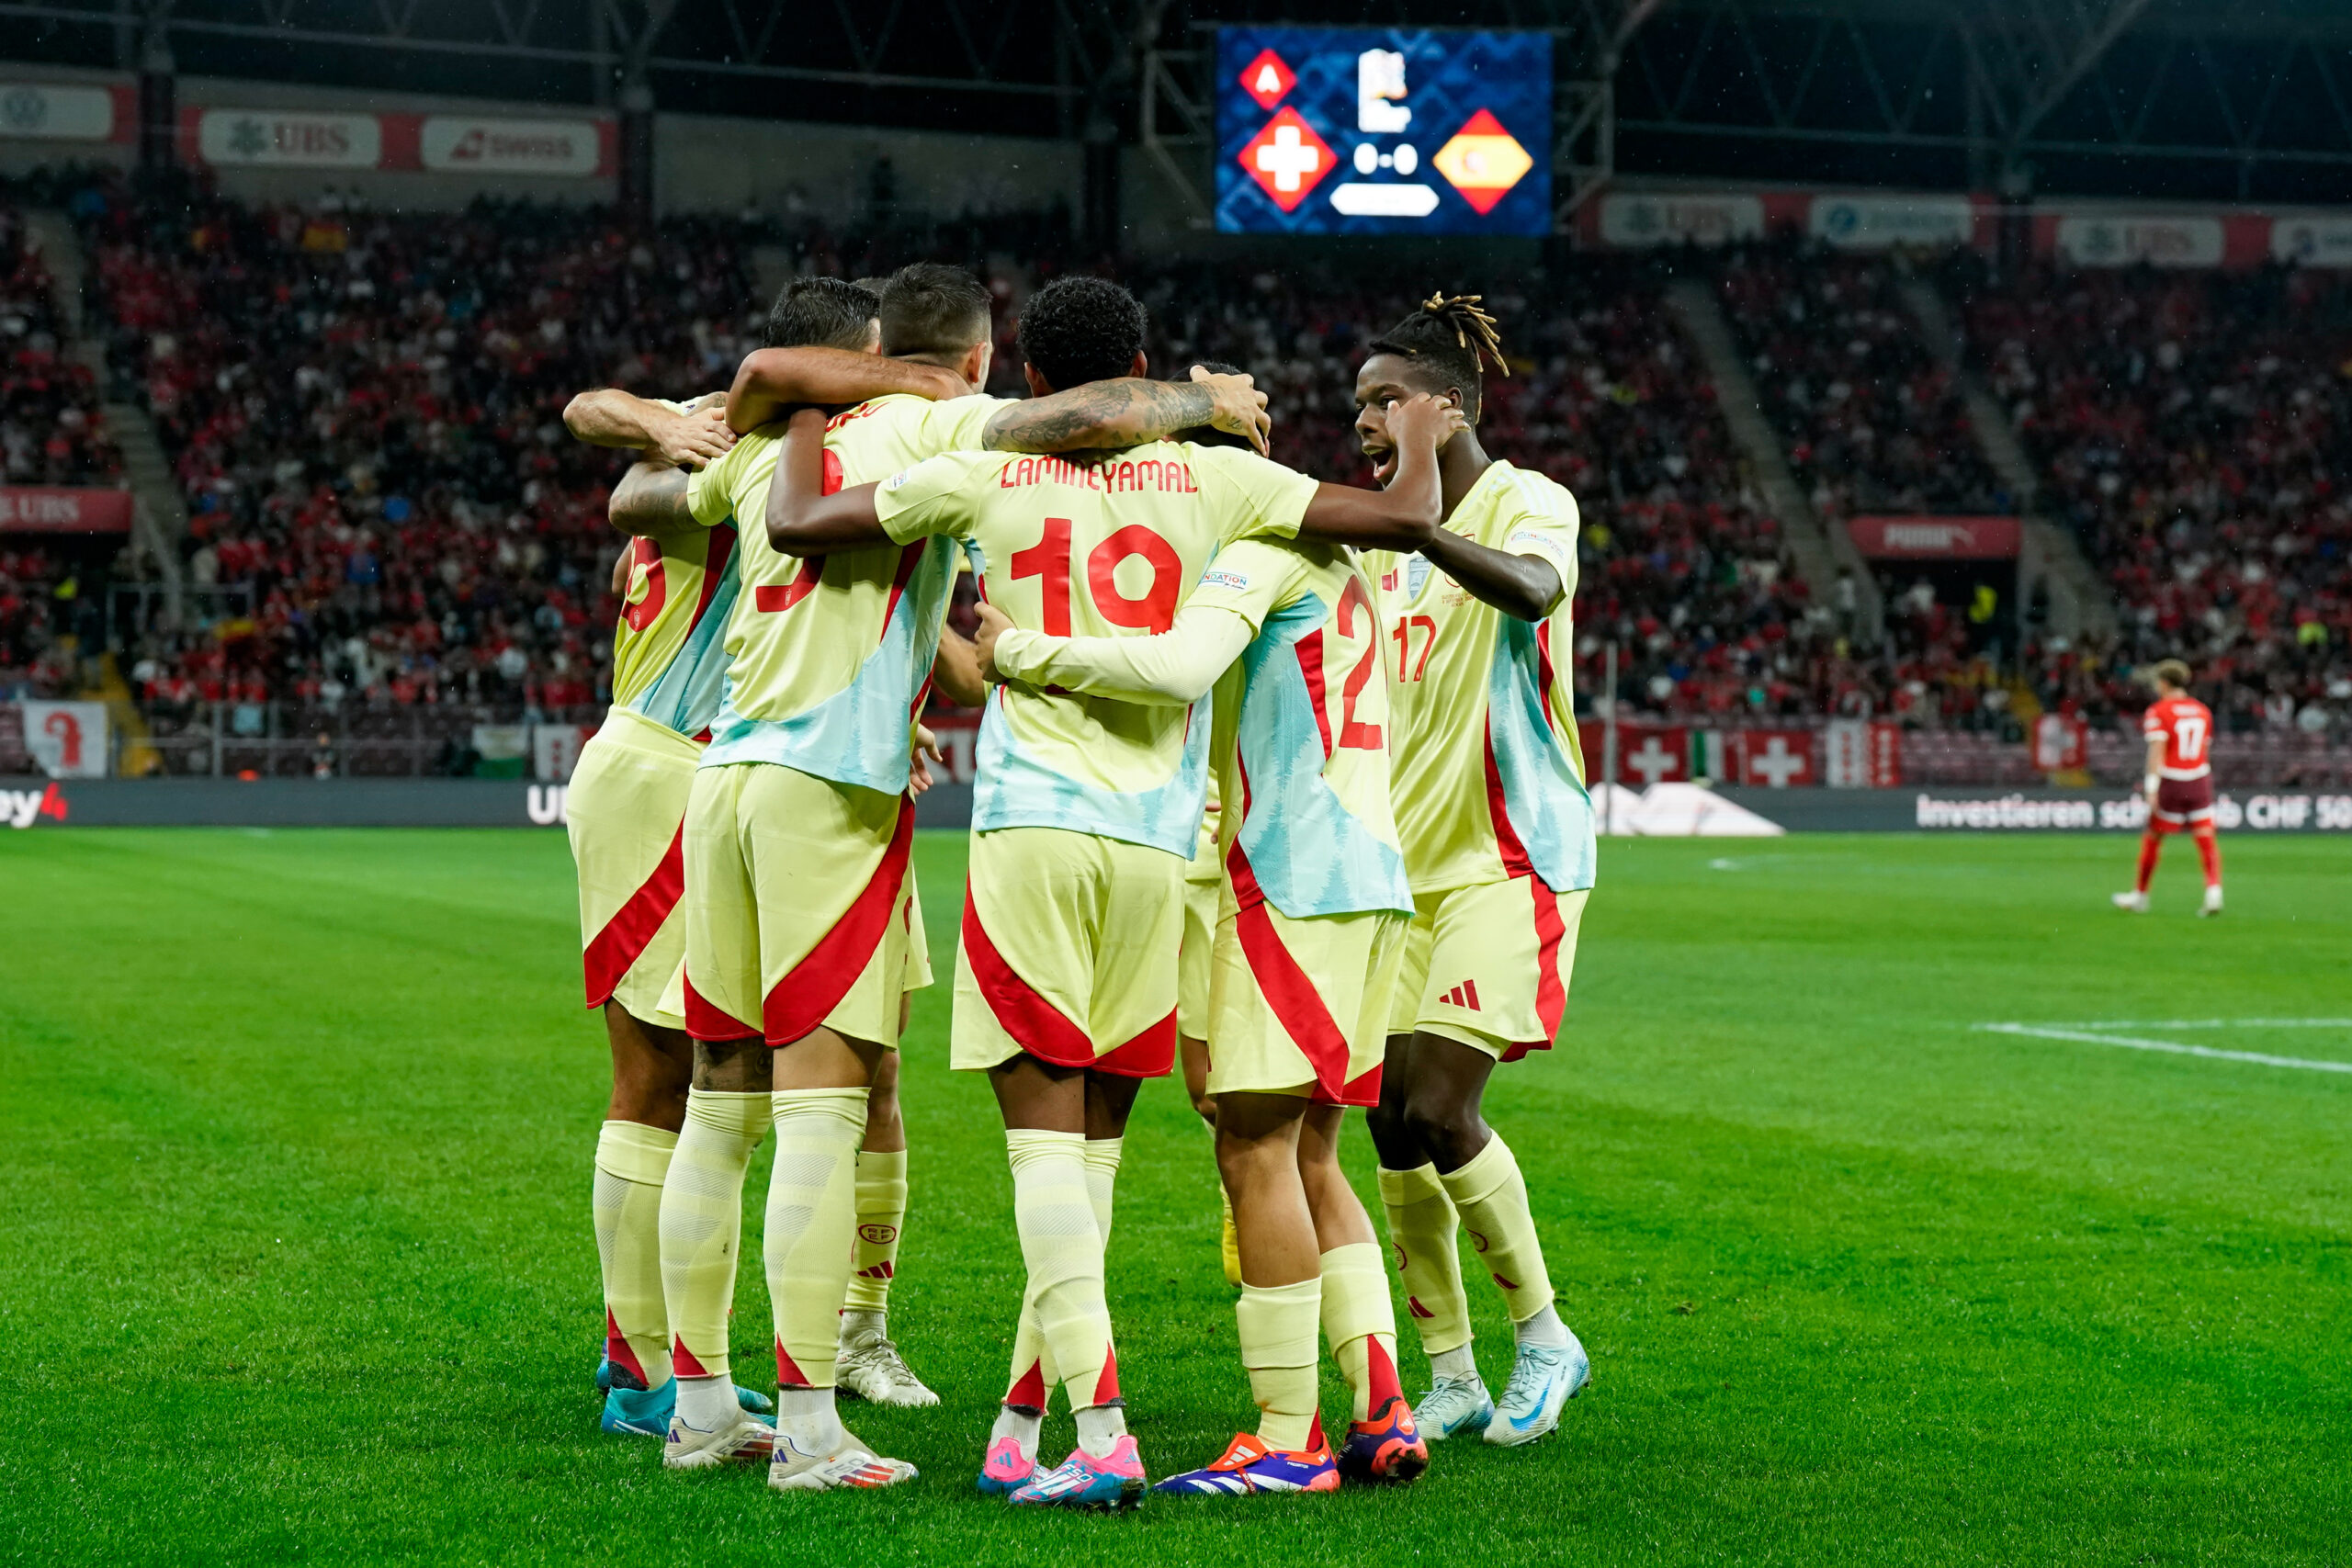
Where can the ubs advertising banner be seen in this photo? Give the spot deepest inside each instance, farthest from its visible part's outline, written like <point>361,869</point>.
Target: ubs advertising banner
<point>461,144</point>
<point>58,111</point>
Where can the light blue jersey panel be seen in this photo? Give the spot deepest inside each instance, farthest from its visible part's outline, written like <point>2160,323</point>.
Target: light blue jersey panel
<point>1015,790</point>
<point>688,694</point>
<point>1310,854</point>
<point>1548,808</point>
<point>861,735</point>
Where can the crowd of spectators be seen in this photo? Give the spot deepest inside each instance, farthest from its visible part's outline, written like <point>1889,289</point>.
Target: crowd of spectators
<point>362,412</point>
<point>1870,420</point>
<point>2195,431</point>
<point>52,433</point>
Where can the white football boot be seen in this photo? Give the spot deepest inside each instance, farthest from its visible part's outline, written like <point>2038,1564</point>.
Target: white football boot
<point>2213,905</point>
<point>1542,1379</point>
<point>2131,903</point>
<point>870,1366</point>
<point>855,1468</point>
<point>1451,1406</point>
<point>747,1440</point>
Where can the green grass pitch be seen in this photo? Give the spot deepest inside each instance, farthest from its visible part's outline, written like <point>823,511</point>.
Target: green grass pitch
<point>295,1147</point>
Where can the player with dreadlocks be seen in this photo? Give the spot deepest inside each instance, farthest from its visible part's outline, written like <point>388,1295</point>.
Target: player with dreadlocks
<point>1496,832</point>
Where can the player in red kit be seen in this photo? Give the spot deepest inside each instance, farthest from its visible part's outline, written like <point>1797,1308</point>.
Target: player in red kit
<point>2179,784</point>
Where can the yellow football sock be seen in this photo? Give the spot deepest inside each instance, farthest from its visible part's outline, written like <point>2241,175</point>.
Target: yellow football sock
<point>812,1213</point>
<point>1420,1226</point>
<point>631,1161</point>
<point>702,1224</point>
<point>1061,1243</point>
<point>1030,1351</point>
<point>881,1220</point>
<point>1361,1323</point>
<point>1491,1198</point>
<point>1277,1324</point>
<point>1101,1178</point>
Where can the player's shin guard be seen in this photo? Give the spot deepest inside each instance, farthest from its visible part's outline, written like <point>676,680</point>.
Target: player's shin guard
<point>1361,1323</point>
<point>1491,1198</point>
<point>2208,854</point>
<point>1062,1245</point>
<point>1421,1223</point>
<point>1278,1327</point>
<point>812,1213</point>
<point>2152,844</point>
<point>631,1161</point>
<point>702,1224</point>
<point>881,1220</point>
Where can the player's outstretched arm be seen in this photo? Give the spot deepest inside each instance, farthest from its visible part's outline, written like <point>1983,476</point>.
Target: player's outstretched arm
<point>1130,412</point>
<point>1173,668</point>
<point>652,499</point>
<point>802,519</point>
<point>1405,515</point>
<point>771,380</point>
<point>610,417</point>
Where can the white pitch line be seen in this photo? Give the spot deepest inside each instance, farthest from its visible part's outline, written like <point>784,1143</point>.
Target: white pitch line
<point>2173,1047</point>
<point>2208,1023</point>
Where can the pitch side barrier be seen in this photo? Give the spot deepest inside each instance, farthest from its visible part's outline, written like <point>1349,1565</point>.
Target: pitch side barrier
<point>27,802</point>
<point>1663,811</point>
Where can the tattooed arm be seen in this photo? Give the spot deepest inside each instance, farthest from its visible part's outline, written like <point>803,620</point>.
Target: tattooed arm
<point>1128,411</point>
<point>652,499</point>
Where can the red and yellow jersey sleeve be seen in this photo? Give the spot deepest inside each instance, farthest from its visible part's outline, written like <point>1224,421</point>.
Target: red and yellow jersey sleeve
<point>1487,778</point>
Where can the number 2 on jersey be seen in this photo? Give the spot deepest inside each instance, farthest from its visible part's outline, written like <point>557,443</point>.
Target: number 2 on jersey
<point>1353,731</point>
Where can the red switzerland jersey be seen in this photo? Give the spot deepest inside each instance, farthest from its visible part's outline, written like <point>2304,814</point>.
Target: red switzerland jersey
<point>2187,728</point>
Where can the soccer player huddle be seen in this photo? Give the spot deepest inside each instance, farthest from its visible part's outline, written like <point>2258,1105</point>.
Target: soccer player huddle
<point>1277,779</point>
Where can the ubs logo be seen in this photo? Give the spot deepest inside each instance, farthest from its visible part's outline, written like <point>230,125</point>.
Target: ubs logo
<point>24,108</point>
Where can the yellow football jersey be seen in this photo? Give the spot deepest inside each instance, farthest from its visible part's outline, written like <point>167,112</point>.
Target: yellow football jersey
<point>668,665</point>
<point>1488,782</point>
<point>1106,546</point>
<point>1300,736</point>
<point>829,659</point>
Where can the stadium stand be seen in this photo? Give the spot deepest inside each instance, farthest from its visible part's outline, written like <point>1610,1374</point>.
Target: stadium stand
<point>1871,422</point>
<point>364,413</point>
<point>52,433</point>
<point>393,540</point>
<point>2196,430</point>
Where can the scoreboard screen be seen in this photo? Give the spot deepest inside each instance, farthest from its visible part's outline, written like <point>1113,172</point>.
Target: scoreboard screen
<point>1347,131</point>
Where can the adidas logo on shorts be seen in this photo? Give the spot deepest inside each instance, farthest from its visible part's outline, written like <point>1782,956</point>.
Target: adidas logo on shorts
<point>1464,995</point>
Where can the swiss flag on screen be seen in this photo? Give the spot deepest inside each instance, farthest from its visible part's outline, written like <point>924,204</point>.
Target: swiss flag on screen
<point>1266,79</point>
<point>1288,159</point>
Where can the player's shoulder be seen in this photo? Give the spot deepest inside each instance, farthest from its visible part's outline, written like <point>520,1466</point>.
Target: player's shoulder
<point>876,413</point>
<point>1517,495</point>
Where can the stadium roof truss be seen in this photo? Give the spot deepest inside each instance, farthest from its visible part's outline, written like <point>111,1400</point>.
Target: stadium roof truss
<point>2085,95</point>
<point>2199,98</point>
<point>965,59</point>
